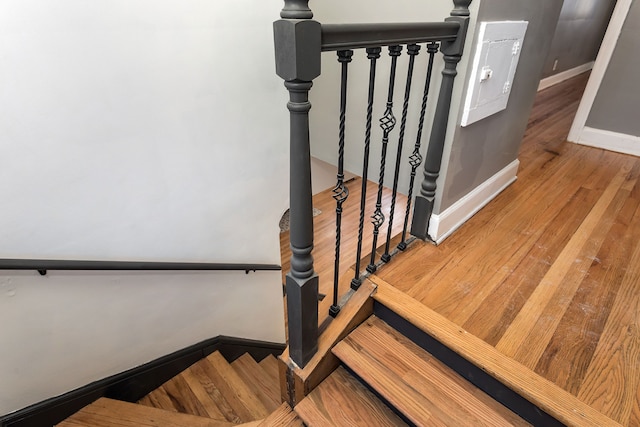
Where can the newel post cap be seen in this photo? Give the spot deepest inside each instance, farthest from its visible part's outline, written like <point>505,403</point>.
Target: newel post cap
<point>296,9</point>
<point>298,45</point>
<point>461,8</point>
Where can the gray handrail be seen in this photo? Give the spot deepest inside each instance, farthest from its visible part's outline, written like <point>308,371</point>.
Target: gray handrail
<point>299,42</point>
<point>356,36</point>
<point>42,265</point>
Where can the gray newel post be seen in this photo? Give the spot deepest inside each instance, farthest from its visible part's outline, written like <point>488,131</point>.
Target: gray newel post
<point>297,48</point>
<point>452,51</point>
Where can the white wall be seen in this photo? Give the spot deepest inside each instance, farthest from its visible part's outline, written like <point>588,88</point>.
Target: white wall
<point>66,330</point>
<point>137,130</point>
<point>130,129</point>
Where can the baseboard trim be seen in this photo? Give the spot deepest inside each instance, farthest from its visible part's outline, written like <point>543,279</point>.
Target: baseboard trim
<point>613,141</point>
<point>442,225</point>
<point>133,384</point>
<point>564,75</point>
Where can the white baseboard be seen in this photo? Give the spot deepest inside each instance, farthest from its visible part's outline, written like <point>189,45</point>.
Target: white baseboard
<point>614,141</point>
<point>441,226</point>
<point>565,75</point>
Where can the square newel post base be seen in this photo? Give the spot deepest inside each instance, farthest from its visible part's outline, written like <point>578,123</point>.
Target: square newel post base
<point>302,318</point>
<point>421,215</point>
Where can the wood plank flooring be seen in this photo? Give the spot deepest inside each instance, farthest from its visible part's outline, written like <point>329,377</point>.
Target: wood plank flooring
<point>549,272</point>
<point>325,234</point>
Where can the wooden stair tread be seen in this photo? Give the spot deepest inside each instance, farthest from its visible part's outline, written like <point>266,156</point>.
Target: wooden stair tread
<point>357,309</point>
<point>270,366</point>
<point>183,397</point>
<point>282,416</point>
<point>158,398</point>
<point>239,395</point>
<point>552,399</point>
<point>108,413</point>
<point>213,388</point>
<point>192,392</point>
<point>341,400</point>
<point>262,384</point>
<point>208,394</point>
<point>417,384</point>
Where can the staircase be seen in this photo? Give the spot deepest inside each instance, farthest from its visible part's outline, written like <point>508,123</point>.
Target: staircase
<point>387,380</point>
<point>211,393</point>
<point>384,380</point>
<point>372,369</point>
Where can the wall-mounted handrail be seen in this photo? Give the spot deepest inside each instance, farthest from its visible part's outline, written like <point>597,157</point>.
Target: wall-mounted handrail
<point>356,36</point>
<point>42,265</point>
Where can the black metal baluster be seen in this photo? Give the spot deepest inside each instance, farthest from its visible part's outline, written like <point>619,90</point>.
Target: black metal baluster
<point>387,123</point>
<point>373,53</point>
<point>415,159</point>
<point>412,50</point>
<point>340,192</point>
<point>452,53</point>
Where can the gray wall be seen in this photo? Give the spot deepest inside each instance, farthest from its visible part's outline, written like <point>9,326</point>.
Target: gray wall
<point>482,149</point>
<point>578,35</point>
<point>616,105</point>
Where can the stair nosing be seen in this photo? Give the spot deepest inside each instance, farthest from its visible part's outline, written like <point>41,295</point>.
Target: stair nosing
<point>487,358</point>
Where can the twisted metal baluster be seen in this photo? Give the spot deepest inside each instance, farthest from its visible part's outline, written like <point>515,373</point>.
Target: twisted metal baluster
<point>452,54</point>
<point>373,53</point>
<point>387,123</point>
<point>340,192</point>
<point>412,51</point>
<point>416,158</point>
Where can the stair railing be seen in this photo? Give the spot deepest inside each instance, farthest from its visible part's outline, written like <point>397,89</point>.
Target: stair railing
<point>299,42</point>
<point>44,265</point>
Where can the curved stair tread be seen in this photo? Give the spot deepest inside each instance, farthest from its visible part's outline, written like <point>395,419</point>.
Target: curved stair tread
<point>552,399</point>
<point>215,389</point>
<point>414,382</point>
<point>266,388</point>
<point>158,398</point>
<point>183,397</point>
<point>208,394</point>
<point>270,366</point>
<point>239,395</point>
<point>283,416</point>
<point>341,400</point>
<point>106,412</point>
<point>194,391</point>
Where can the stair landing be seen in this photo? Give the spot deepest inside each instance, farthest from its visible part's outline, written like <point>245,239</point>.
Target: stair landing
<point>548,272</point>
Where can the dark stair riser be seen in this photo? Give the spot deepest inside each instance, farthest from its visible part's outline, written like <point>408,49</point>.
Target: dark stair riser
<point>135,383</point>
<point>476,376</point>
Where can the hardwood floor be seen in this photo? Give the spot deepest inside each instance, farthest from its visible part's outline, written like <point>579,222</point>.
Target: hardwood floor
<point>549,272</point>
<point>325,234</point>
